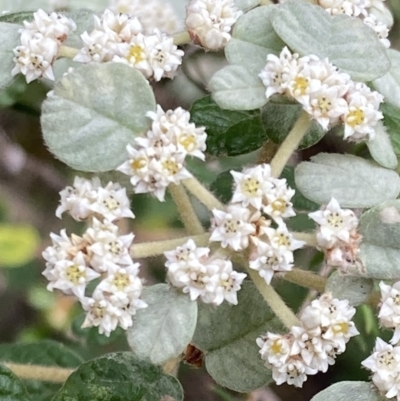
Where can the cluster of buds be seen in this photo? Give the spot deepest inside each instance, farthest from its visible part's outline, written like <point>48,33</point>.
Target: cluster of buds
<point>40,43</point>
<point>337,235</point>
<point>327,95</point>
<point>158,159</point>
<point>209,22</point>
<point>212,279</point>
<point>100,253</point>
<point>243,224</point>
<point>311,348</point>
<point>121,38</point>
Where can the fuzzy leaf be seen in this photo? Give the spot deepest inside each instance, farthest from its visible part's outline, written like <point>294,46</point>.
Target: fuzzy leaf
<point>228,334</point>
<point>95,111</point>
<point>46,353</point>
<point>280,118</point>
<point>84,21</point>
<point>222,186</point>
<point>380,248</point>
<point>347,42</point>
<point>9,39</point>
<point>119,377</point>
<point>253,38</point>
<point>245,5</point>
<point>345,391</point>
<point>228,132</point>
<point>162,331</point>
<point>17,18</point>
<point>389,84</point>
<point>11,387</point>
<point>381,148</point>
<point>355,289</point>
<point>236,88</point>
<point>391,121</point>
<point>353,181</point>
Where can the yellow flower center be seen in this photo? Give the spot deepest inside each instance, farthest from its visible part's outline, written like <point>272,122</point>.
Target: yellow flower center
<point>300,85</point>
<point>139,163</point>
<point>136,53</point>
<point>324,104</point>
<point>386,359</point>
<point>279,205</point>
<point>283,240</point>
<point>231,226</point>
<point>188,141</point>
<point>250,186</point>
<point>341,328</point>
<point>171,166</point>
<point>355,117</point>
<point>276,347</point>
<point>335,220</point>
<point>121,280</point>
<point>111,203</point>
<point>74,274</point>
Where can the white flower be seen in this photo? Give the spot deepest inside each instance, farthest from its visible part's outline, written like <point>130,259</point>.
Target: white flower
<point>278,200</point>
<point>151,13</point>
<point>252,185</point>
<point>294,372</point>
<point>275,348</point>
<point>379,28</point>
<point>335,7</point>
<point>335,224</point>
<point>232,227</point>
<point>97,47</point>
<point>389,313</point>
<point>210,21</point>
<point>71,276</point>
<point>267,260</point>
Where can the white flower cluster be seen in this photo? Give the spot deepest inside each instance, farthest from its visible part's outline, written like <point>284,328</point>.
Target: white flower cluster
<point>211,279</point>
<point>100,253</point>
<point>243,225</point>
<point>311,348</point>
<point>385,365</point>
<point>152,14</point>
<point>327,95</point>
<point>40,42</point>
<point>389,311</point>
<point>120,38</point>
<point>158,159</point>
<point>209,22</point>
<point>361,9</point>
<point>337,235</point>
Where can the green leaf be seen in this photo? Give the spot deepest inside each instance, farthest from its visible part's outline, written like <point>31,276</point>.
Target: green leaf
<point>9,39</point>
<point>347,42</point>
<point>163,330</point>
<point>14,6</point>
<point>95,111</point>
<point>11,387</point>
<point>299,201</point>
<point>236,88</point>
<point>245,5</point>
<point>355,289</point>
<point>346,391</point>
<point>17,18</point>
<point>253,38</point>
<point>380,248</point>
<point>46,353</point>
<point>119,377</point>
<point>18,244</point>
<point>228,334</point>
<point>280,118</point>
<point>389,84</point>
<point>222,186</point>
<point>391,120</point>
<point>84,21</point>
<point>381,147</point>
<point>353,181</point>
<point>228,132</point>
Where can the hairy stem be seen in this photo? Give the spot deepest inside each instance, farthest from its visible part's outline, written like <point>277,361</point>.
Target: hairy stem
<point>67,52</point>
<point>202,194</point>
<point>306,279</point>
<point>37,372</point>
<point>156,248</point>
<point>182,38</point>
<point>267,152</point>
<point>273,299</point>
<point>309,238</point>
<point>189,218</point>
<point>290,144</point>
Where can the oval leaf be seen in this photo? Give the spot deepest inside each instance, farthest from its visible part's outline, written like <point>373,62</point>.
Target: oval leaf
<point>381,148</point>
<point>164,329</point>
<point>236,88</point>
<point>280,118</point>
<point>345,391</point>
<point>9,39</point>
<point>229,334</point>
<point>347,42</point>
<point>245,5</point>
<point>228,132</point>
<point>95,111</point>
<point>11,387</point>
<point>119,377</point>
<point>389,84</point>
<point>380,249</point>
<point>18,244</point>
<point>391,120</point>
<point>355,289</point>
<point>353,181</point>
<point>253,38</point>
